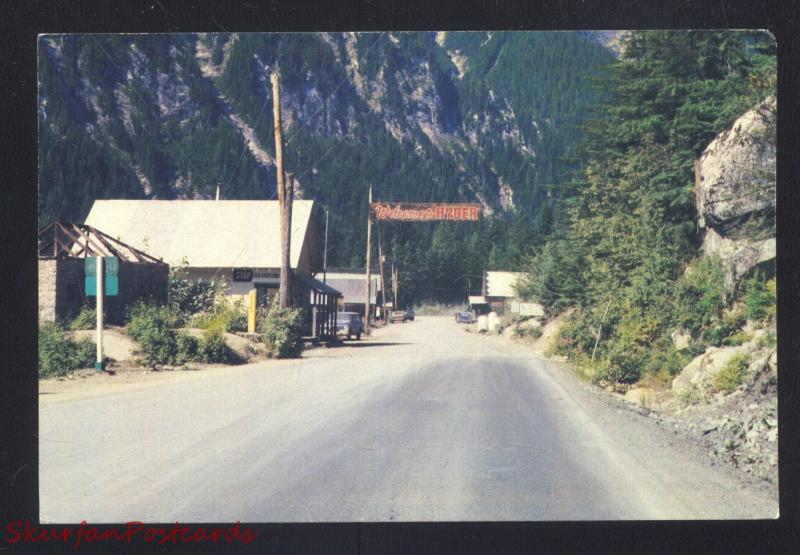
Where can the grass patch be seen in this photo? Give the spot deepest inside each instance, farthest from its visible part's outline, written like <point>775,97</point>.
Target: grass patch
<point>731,375</point>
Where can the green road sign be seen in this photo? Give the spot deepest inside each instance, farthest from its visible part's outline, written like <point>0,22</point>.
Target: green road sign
<point>90,284</point>
<point>111,266</point>
<point>110,278</point>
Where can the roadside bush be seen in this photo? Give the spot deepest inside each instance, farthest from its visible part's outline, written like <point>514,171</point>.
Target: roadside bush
<point>186,347</point>
<point>625,362</point>
<point>59,354</point>
<point>724,327</point>
<point>186,296</point>
<point>575,335</point>
<point>759,298</point>
<point>85,320</point>
<point>212,348</point>
<point>281,332</point>
<point>731,375</point>
<point>224,316</point>
<point>700,295</point>
<point>151,326</point>
<point>666,363</point>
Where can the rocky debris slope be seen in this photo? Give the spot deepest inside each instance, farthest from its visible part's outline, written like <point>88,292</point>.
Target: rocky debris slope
<point>735,192</point>
<point>739,427</point>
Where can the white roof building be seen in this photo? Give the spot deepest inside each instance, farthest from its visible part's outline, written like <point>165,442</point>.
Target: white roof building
<point>501,284</point>
<point>211,233</point>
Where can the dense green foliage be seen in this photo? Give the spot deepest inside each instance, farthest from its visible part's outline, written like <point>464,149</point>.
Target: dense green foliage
<point>59,354</point>
<point>212,348</point>
<point>281,331</point>
<point>759,298</point>
<point>154,328</point>
<point>186,297</point>
<point>627,226</point>
<point>224,316</point>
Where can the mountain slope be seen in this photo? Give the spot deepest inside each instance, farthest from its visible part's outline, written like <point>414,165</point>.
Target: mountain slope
<point>485,117</point>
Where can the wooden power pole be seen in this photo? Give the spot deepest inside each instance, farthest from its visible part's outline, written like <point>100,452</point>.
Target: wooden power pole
<point>284,204</point>
<point>369,250</point>
<point>394,286</point>
<point>380,267</point>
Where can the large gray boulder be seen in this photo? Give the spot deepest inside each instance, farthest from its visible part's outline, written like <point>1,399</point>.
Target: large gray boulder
<point>735,193</point>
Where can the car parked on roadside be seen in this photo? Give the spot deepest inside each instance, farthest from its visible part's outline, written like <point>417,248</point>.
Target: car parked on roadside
<point>398,316</point>
<point>464,318</point>
<point>349,324</point>
<point>410,314</point>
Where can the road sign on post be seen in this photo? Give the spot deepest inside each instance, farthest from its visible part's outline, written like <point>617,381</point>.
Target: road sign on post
<point>111,281</point>
<point>99,364</point>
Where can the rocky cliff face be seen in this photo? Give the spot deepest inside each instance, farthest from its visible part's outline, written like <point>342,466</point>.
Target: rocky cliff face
<point>172,116</point>
<point>735,193</point>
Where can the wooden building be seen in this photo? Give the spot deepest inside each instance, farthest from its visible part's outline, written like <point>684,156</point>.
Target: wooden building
<point>498,292</point>
<point>236,242</point>
<point>63,248</point>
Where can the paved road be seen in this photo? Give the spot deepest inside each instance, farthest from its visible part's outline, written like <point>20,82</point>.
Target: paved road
<point>420,422</point>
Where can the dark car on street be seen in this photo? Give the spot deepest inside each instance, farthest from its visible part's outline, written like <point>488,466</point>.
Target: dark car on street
<point>410,314</point>
<point>464,317</point>
<point>349,324</point>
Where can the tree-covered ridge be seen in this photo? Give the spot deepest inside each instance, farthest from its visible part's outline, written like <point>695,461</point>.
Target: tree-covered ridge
<point>628,228</point>
<point>165,116</point>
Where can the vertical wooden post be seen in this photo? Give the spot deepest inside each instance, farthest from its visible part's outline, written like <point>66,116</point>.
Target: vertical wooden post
<point>380,267</point>
<point>394,288</point>
<point>282,201</point>
<point>369,250</point>
<point>98,365</point>
<point>325,252</point>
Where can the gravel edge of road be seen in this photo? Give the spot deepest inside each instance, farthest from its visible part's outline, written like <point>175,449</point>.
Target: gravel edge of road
<point>563,372</point>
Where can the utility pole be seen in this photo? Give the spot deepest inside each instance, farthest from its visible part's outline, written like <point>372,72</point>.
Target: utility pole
<point>284,204</point>
<point>394,286</point>
<point>380,267</point>
<point>325,252</point>
<point>369,250</point>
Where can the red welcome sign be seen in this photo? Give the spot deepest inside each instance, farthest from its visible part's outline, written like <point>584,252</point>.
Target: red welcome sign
<point>425,211</point>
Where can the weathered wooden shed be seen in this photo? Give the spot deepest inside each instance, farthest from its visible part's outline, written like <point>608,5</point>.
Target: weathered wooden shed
<point>63,248</point>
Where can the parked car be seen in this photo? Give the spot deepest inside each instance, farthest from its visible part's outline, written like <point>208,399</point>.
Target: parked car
<point>410,314</point>
<point>398,316</point>
<point>349,324</point>
<point>464,318</point>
